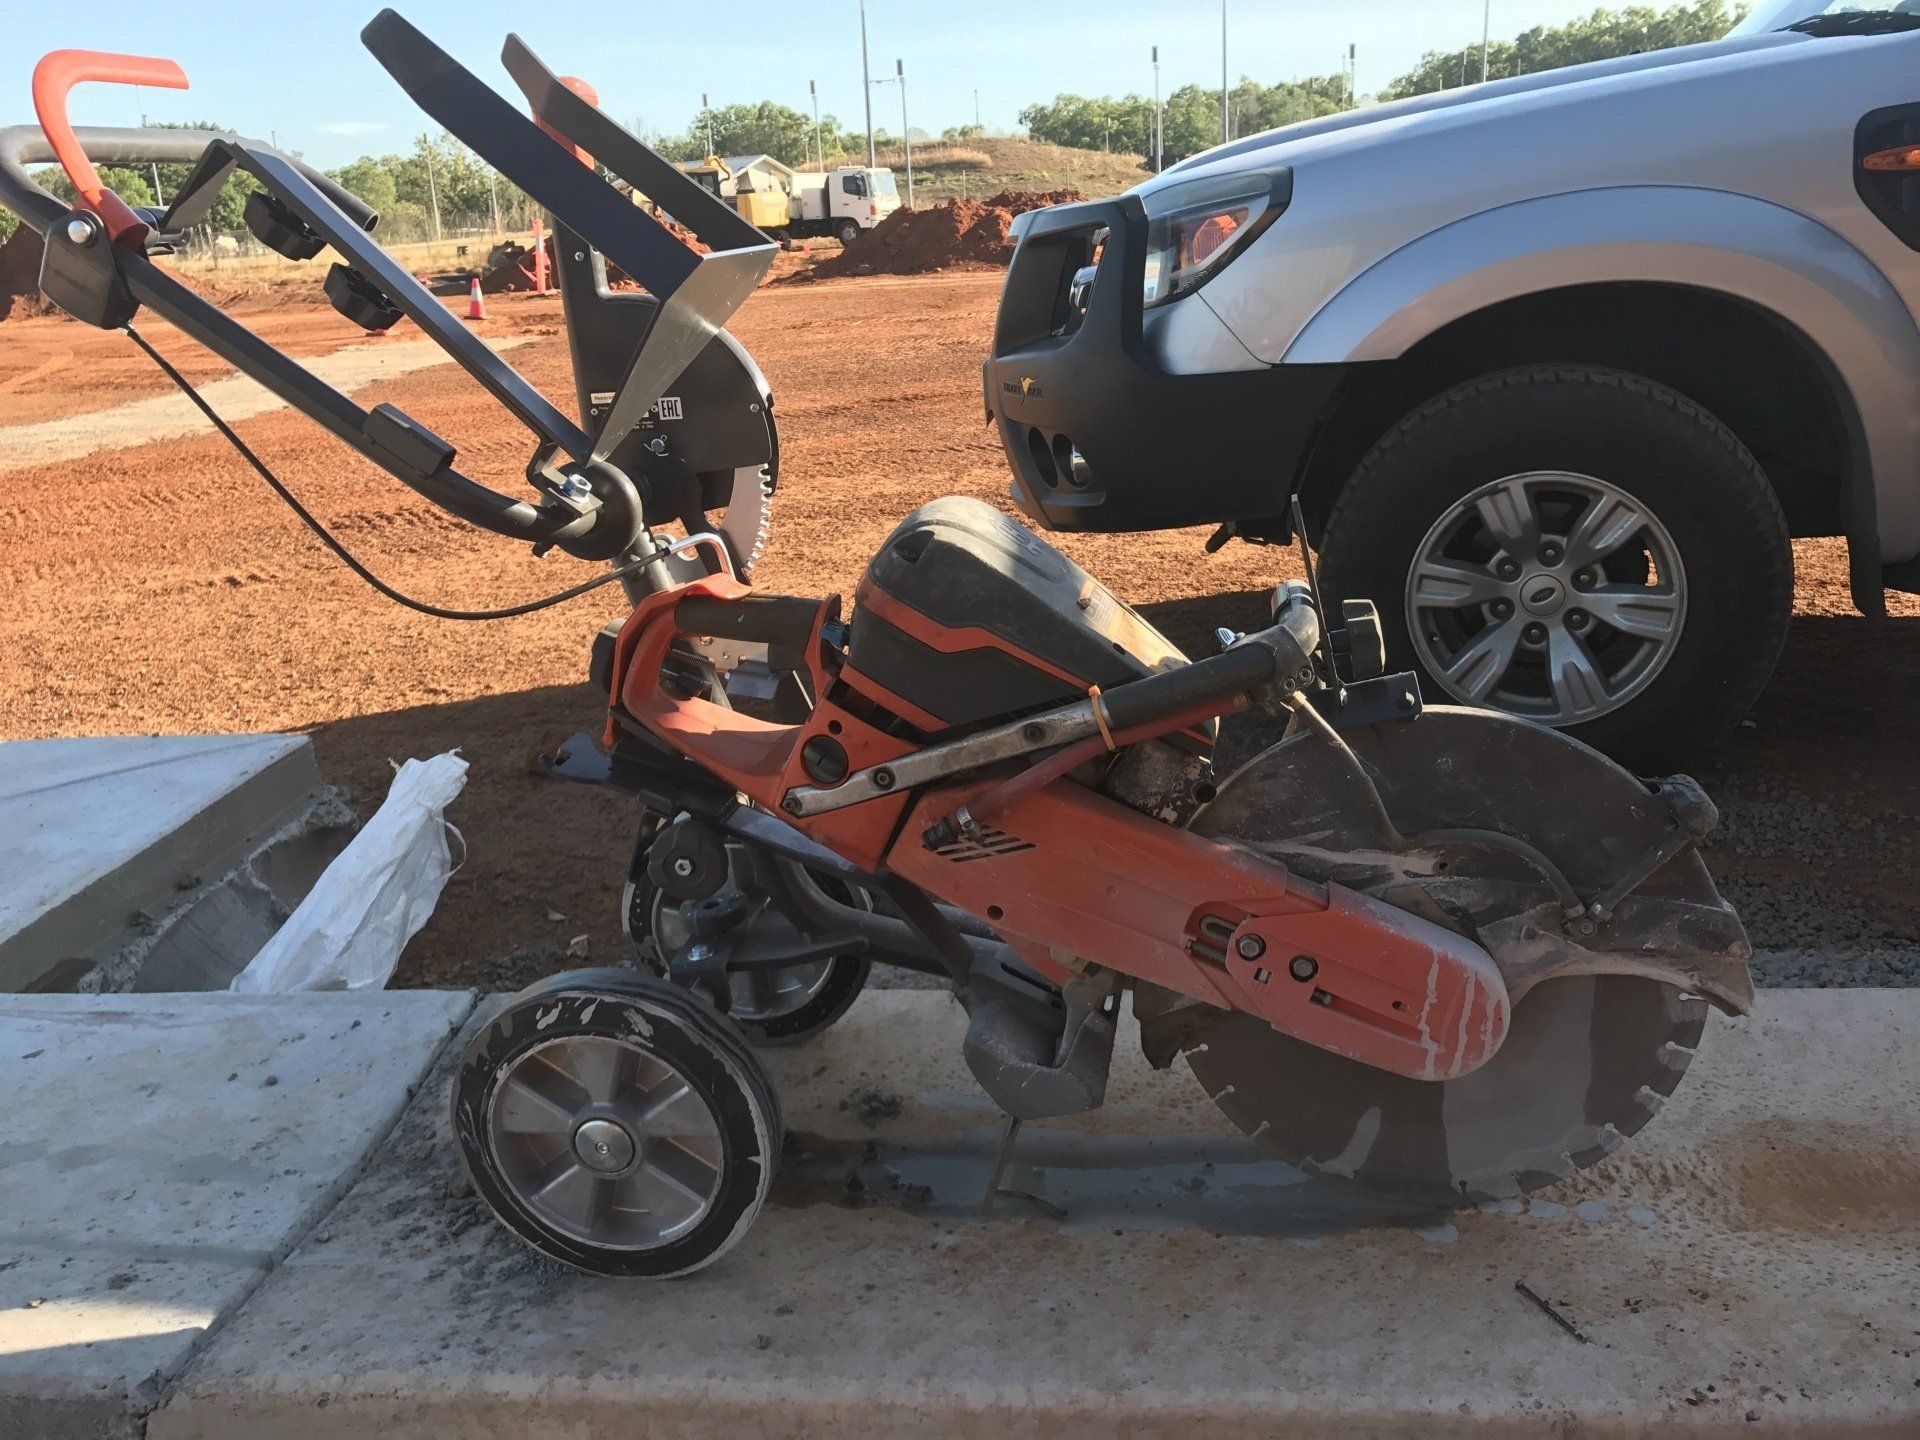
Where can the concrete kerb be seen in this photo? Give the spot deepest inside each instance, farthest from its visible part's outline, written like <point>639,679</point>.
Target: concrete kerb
<point>159,1157</point>
<point>1753,1256</point>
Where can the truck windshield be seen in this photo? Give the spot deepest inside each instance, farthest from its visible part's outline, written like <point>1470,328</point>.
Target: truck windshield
<point>883,183</point>
<point>1823,16</point>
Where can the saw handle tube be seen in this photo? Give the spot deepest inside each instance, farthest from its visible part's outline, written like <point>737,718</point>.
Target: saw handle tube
<point>1279,657</point>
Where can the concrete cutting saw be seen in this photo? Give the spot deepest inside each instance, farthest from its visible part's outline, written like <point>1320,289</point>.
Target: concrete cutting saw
<point>1438,954</point>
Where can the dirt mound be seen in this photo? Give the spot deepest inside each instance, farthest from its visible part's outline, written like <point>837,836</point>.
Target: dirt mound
<point>1021,201</point>
<point>20,275</point>
<point>953,235</point>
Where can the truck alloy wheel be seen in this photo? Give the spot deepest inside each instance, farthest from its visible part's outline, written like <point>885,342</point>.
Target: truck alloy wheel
<point>1551,595</point>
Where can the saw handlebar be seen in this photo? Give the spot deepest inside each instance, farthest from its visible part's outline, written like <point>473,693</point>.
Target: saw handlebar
<point>1279,657</point>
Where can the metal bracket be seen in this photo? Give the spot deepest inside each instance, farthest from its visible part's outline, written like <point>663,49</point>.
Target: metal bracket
<point>1369,702</point>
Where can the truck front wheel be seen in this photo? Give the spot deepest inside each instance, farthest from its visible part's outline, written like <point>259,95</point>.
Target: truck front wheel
<point>846,231</point>
<point>1580,546</point>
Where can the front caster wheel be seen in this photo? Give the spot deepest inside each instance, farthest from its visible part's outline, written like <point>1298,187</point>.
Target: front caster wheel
<point>617,1123</point>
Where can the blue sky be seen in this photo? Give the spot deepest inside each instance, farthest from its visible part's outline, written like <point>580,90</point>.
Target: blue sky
<point>298,70</point>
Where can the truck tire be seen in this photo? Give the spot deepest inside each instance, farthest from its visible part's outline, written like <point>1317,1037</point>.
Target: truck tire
<point>1581,546</point>
<point>846,231</point>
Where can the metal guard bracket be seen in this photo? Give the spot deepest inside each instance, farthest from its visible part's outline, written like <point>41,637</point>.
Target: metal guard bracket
<point>697,293</point>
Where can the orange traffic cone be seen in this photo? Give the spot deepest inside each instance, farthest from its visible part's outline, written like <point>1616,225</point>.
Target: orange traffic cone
<point>476,306</point>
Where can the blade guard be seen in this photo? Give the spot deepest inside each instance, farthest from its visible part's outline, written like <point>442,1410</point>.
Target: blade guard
<point>53,79</point>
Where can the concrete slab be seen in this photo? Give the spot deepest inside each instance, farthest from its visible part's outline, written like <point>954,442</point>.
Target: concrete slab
<point>100,829</point>
<point>1753,1258</point>
<point>157,1157</point>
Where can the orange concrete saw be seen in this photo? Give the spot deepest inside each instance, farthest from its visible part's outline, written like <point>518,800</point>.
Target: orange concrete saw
<point>1441,954</point>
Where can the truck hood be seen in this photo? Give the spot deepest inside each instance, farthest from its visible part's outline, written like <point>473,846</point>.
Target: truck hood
<point>1506,101</point>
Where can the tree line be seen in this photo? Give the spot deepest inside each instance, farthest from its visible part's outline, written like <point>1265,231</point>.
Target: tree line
<point>440,187</point>
<point>1190,120</point>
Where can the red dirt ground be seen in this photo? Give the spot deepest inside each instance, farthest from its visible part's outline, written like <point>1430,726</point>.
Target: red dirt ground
<point>162,589</point>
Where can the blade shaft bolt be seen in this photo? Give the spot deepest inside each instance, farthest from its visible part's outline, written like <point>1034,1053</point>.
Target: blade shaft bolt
<point>1303,967</point>
<point>1250,947</point>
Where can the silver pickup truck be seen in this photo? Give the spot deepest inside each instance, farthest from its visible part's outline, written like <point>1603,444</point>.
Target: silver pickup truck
<point>1556,365</point>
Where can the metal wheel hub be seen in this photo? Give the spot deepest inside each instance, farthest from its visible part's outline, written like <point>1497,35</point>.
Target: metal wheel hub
<point>606,1142</point>
<point>604,1146</point>
<point>1547,594</point>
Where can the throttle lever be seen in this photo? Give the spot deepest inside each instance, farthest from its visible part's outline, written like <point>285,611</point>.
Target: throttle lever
<point>55,76</point>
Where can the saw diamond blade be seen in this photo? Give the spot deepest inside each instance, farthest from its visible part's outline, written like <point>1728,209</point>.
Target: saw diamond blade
<point>1588,1059</point>
<point>749,515</point>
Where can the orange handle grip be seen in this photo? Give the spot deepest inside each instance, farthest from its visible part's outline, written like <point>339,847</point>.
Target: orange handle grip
<point>53,78</point>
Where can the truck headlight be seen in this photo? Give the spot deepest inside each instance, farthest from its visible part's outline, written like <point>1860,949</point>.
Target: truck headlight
<point>1195,230</point>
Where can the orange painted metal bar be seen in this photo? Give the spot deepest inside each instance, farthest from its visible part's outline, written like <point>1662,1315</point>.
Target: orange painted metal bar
<point>53,79</point>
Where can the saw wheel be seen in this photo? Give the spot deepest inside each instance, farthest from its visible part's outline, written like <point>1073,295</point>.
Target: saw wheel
<point>1588,1059</point>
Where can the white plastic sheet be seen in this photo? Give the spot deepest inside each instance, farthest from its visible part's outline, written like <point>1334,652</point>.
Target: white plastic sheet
<point>349,931</point>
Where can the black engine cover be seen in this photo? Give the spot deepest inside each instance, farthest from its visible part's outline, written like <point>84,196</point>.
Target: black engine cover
<point>1000,623</point>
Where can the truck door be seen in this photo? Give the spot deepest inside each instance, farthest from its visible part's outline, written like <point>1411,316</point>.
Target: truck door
<point>850,196</point>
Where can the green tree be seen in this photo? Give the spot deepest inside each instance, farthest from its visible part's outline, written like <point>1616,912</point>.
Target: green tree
<point>1190,118</point>
<point>1602,35</point>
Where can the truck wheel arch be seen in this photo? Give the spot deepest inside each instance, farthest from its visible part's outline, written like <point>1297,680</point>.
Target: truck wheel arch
<point>1818,290</point>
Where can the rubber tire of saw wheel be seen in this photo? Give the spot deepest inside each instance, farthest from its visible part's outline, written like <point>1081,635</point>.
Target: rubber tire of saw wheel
<point>1690,471</point>
<point>846,232</point>
<point>657,1018</point>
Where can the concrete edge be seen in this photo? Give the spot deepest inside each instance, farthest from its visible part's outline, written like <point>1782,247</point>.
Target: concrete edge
<point>91,923</point>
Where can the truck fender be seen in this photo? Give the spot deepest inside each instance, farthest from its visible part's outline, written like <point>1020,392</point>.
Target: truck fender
<point>1766,256</point>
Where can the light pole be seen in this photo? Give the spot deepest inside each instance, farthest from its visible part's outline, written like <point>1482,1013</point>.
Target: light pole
<point>866,84</point>
<point>433,188</point>
<point>976,113</point>
<point>707,111</point>
<point>1226,120</point>
<point>906,136</point>
<point>818,153</point>
<point>159,195</point>
<point>1156,110</point>
<point>1486,27</point>
<point>1353,77</point>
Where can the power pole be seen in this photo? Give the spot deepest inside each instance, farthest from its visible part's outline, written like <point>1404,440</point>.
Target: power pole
<point>1226,120</point>
<point>493,192</point>
<point>1353,77</point>
<point>906,135</point>
<point>866,84</point>
<point>159,195</point>
<point>818,153</point>
<point>1486,27</point>
<point>976,113</point>
<point>707,111</point>
<point>1156,110</point>
<point>433,188</point>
